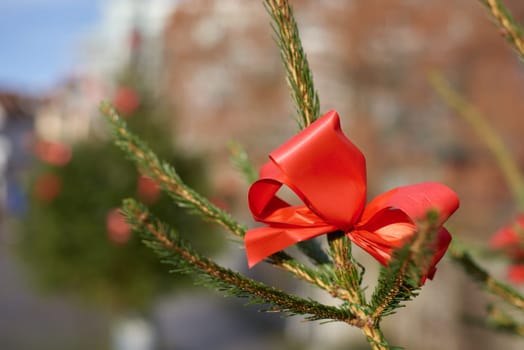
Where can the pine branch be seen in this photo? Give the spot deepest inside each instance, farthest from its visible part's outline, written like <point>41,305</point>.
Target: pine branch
<point>299,76</point>
<point>401,280</point>
<point>174,251</point>
<point>397,284</point>
<point>348,276</point>
<point>165,174</point>
<point>511,30</point>
<point>506,162</point>
<point>472,268</point>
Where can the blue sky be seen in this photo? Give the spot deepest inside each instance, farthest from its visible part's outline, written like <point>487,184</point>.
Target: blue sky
<point>39,40</point>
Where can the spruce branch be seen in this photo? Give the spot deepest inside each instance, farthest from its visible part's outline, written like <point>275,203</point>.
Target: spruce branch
<point>495,287</point>
<point>348,278</point>
<point>511,30</point>
<point>506,161</point>
<point>347,274</point>
<point>396,285</point>
<point>174,251</point>
<point>402,279</point>
<point>165,174</point>
<point>299,75</point>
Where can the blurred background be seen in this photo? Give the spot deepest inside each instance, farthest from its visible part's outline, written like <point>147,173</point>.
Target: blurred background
<point>190,76</point>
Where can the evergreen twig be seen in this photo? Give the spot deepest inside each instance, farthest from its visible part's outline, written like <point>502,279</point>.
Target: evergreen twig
<point>403,277</point>
<point>348,276</point>
<point>473,269</point>
<point>468,112</point>
<point>511,30</point>
<point>173,250</point>
<point>299,76</point>
<point>165,174</point>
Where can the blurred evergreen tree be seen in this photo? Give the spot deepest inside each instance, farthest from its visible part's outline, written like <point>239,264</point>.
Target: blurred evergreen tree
<point>73,241</point>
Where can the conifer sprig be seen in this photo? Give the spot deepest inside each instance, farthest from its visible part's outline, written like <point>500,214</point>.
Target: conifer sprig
<point>348,275</point>
<point>348,278</point>
<point>495,287</point>
<point>178,253</point>
<point>511,30</point>
<point>402,279</point>
<point>299,76</point>
<point>165,174</point>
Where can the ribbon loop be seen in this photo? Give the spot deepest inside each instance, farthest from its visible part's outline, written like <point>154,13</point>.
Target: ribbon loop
<point>324,169</point>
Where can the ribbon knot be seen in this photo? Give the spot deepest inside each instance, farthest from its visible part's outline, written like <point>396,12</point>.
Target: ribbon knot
<point>328,173</point>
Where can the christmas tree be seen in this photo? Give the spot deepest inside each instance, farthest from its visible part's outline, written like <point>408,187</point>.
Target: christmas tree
<point>75,240</point>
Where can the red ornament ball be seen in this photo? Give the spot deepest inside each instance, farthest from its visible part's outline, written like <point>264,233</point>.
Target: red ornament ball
<point>516,273</point>
<point>47,187</point>
<point>118,230</point>
<point>53,153</point>
<point>148,190</point>
<point>126,100</point>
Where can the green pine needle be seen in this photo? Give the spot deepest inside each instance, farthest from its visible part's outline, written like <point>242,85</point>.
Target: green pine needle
<point>398,282</point>
<point>348,273</point>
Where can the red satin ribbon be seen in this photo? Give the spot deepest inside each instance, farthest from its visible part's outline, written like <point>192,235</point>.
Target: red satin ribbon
<point>328,173</point>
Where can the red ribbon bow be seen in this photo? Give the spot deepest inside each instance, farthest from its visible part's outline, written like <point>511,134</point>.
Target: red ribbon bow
<point>328,173</point>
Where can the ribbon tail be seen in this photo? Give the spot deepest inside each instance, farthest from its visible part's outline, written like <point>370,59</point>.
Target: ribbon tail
<point>441,245</point>
<point>382,249</point>
<point>265,241</point>
<point>374,245</point>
